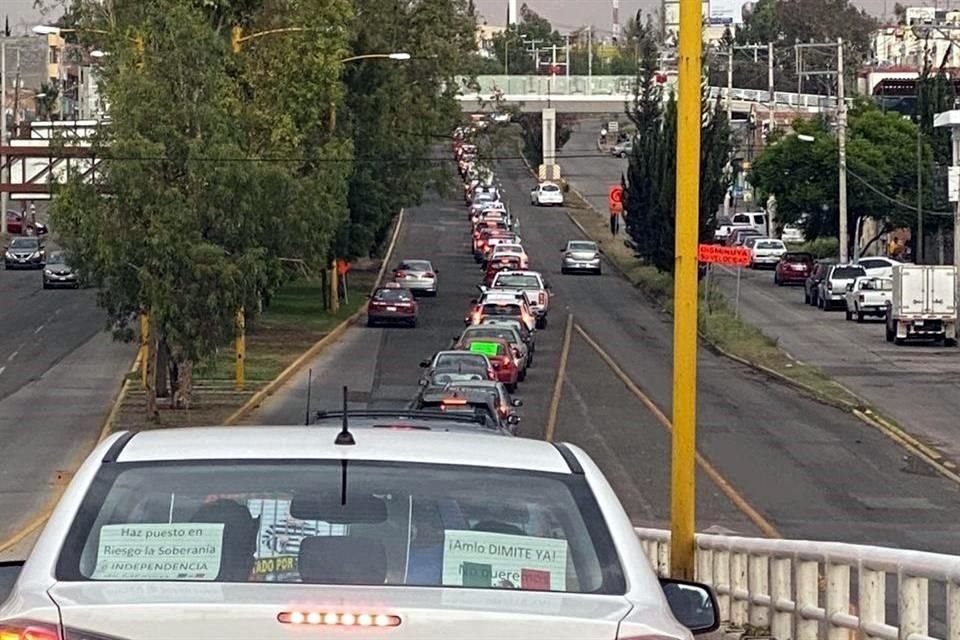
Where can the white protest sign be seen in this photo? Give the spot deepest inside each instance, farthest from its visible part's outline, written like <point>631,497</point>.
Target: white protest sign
<point>175,551</point>
<point>503,561</point>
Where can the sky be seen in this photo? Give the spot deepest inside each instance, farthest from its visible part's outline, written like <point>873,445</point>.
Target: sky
<point>565,15</point>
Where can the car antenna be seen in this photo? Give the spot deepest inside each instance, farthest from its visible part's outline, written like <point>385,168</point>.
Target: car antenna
<point>345,437</point>
<point>306,420</point>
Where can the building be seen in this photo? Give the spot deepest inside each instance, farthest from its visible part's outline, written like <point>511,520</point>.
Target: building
<point>718,17</point>
<point>925,36</point>
<point>485,36</point>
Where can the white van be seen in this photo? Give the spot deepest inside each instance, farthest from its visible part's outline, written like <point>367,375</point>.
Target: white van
<point>756,219</point>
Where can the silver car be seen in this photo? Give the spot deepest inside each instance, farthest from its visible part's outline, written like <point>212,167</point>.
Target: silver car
<point>581,255</point>
<point>417,275</point>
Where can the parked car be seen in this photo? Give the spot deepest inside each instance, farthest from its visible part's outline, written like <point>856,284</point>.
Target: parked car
<point>622,149</point>
<point>766,252</point>
<point>546,194</point>
<point>501,355</point>
<point>756,219</point>
<point>811,286</point>
<point>792,234</point>
<point>18,225</point>
<point>879,266</point>
<point>57,273</point>
<point>793,268</point>
<point>533,284</point>
<point>739,234</point>
<point>833,287</point>
<point>868,296</point>
<point>25,252</point>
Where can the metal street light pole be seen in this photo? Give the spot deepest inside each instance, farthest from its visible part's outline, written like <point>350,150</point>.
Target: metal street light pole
<point>3,134</point>
<point>842,155</point>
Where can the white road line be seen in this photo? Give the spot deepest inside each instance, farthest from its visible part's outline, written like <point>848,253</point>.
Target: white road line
<point>13,355</point>
<point>2,369</point>
<point>38,329</point>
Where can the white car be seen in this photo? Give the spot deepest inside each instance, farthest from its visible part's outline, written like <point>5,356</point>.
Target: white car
<point>766,252</point>
<point>792,233</point>
<point>878,266</point>
<point>534,287</point>
<point>546,194</point>
<point>506,249</point>
<point>868,296</point>
<point>276,532</point>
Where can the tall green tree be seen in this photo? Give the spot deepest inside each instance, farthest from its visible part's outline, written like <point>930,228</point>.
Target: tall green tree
<point>651,179</point>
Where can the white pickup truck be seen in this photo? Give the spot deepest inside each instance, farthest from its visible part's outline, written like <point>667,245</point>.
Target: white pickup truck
<point>530,283</point>
<point>868,295</point>
<point>923,304</point>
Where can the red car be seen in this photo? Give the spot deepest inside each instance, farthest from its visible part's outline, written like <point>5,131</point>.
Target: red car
<point>392,305</point>
<point>509,263</point>
<point>500,354</point>
<point>18,225</point>
<point>794,268</point>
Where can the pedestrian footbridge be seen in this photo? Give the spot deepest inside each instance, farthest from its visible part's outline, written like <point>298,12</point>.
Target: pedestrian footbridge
<point>612,94</point>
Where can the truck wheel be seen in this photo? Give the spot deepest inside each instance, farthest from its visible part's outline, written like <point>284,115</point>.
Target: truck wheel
<point>849,316</point>
<point>889,333</point>
<point>949,342</point>
<point>896,340</point>
<point>860,316</point>
<point>806,296</point>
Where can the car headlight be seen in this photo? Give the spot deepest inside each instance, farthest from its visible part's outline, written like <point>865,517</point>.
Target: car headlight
<point>8,255</point>
<point>48,272</point>
<point>35,254</point>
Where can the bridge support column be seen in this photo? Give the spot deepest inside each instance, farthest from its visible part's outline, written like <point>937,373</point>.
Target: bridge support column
<point>549,169</point>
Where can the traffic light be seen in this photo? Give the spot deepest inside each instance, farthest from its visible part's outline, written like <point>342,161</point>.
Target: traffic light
<point>236,37</point>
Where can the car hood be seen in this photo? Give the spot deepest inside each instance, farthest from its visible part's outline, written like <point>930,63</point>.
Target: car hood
<point>160,611</point>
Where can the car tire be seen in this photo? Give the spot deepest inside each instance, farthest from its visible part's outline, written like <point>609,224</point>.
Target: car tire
<point>806,296</point>
<point>848,315</point>
<point>776,280</point>
<point>541,322</point>
<point>523,375</point>
<point>860,317</point>
<point>371,322</point>
<point>949,342</point>
<point>598,272</point>
<point>46,285</point>
<point>512,387</point>
<point>564,270</point>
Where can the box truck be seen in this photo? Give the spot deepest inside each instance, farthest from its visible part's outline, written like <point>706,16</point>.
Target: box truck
<point>923,304</point>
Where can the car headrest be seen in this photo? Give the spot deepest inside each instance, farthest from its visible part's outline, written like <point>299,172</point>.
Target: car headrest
<point>342,560</point>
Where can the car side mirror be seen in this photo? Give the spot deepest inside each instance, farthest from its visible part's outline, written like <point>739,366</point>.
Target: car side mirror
<point>496,365</point>
<point>424,364</point>
<point>850,287</point>
<point>473,301</point>
<point>517,402</point>
<point>693,604</point>
<point>513,419</point>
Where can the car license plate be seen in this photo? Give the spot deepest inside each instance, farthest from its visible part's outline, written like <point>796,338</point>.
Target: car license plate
<point>391,308</point>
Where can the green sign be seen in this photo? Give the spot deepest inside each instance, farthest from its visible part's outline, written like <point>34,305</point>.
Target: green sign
<point>486,348</point>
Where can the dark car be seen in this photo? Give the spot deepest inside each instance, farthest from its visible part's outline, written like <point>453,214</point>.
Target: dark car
<point>58,273</point>
<point>528,336</point>
<point>470,402</point>
<point>454,361</point>
<point>25,252</point>
<point>793,268</point>
<point>18,225</point>
<point>811,285</point>
<point>392,305</point>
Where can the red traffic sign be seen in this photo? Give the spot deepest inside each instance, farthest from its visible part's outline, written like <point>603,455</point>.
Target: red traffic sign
<point>718,254</point>
<point>615,198</point>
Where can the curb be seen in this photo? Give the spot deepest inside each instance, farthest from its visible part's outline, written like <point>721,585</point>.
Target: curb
<point>332,336</point>
<point>862,411</point>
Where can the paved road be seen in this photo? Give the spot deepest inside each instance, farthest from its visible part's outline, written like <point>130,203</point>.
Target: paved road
<point>917,385</point>
<point>811,470</point>
<point>59,372</point>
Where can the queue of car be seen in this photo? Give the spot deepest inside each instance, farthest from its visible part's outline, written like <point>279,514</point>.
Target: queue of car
<point>425,521</point>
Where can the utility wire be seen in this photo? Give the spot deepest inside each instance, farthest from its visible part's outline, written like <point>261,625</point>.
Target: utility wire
<point>892,200</point>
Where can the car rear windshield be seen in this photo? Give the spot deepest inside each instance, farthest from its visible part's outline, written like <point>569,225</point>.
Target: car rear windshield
<point>415,265</point>
<point>582,246</point>
<point>395,295</point>
<point>501,310</point>
<point>550,188</point>
<point>282,521</point>
<point>454,359</point>
<point>805,258</point>
<point>768,244</point>
<point>517,282</point>
<point>848,273</point>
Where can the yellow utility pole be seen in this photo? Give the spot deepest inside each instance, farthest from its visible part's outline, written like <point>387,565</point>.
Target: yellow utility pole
<point>683,467</point>
<point>144,347</point>
<point>334,287</point>
<point>240,349</point>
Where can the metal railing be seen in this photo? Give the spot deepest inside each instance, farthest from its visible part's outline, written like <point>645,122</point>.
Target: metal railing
<point>620,87</point>
<point>801,590</point>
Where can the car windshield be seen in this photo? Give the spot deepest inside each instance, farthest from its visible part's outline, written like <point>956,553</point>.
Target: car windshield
<point>454,359</point>
<point>282,521</point>
<point>582,246</point>
<point>56,258</point>
<point>501,310</point>
<point>847,273</point>
<point>805,258</point>
<point>769,244</point>
<point>393,295</point>
<point>25,243</point>
<point>517,282</point>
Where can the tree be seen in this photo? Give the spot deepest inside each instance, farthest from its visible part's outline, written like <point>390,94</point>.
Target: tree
<point>397,112</point>
<point>651,179</point>
<point>881,161</point>
<point>511,46</point>
<point>194,224</point>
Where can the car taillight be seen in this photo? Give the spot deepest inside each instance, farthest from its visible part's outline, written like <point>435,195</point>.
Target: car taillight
<point>543,298</point>
<point>27,630</point>
<point>861,297</point>
<point>399,273</point>
<point>428,274</point>
<point>337,619</point>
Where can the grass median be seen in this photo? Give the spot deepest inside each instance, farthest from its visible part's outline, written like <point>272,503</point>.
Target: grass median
<point>294,321</point>
<point>718,325</point>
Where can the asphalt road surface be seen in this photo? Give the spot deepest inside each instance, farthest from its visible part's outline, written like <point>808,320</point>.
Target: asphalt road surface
<point>809,470</point>
<point>918,384</point>
<point>59,373</point>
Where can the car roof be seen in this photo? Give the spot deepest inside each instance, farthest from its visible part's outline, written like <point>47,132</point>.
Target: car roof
<point>311,443</point>
<point>520,272</point>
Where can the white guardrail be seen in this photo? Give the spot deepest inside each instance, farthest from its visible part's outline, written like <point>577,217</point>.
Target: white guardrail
<point>801,590</point>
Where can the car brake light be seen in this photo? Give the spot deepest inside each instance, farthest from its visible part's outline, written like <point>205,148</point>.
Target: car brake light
<point>861,297</point>
<point>400,273</point>
<point>543,298</point>
<point>453,402</point>
<point>27,630</point>
<point>331,619</point>
<point>428,274</point>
